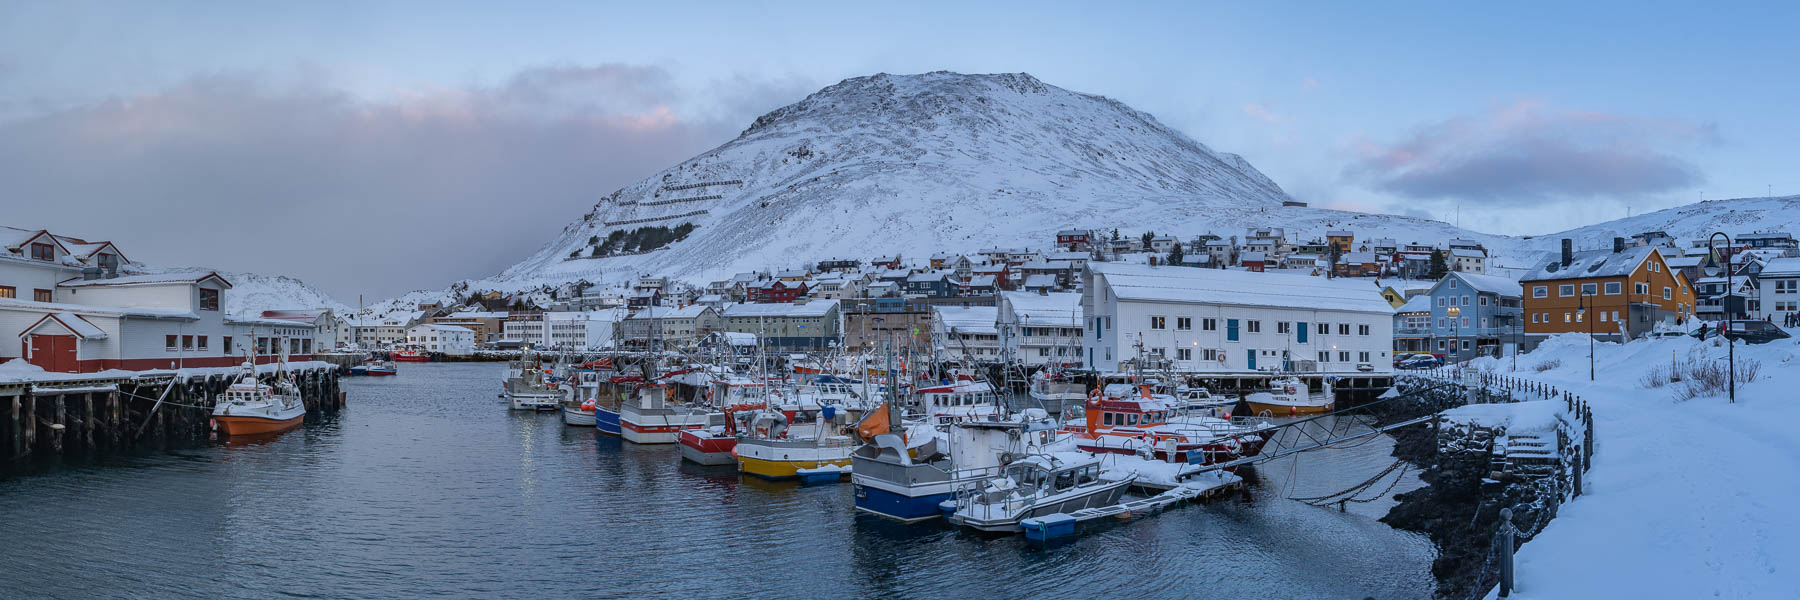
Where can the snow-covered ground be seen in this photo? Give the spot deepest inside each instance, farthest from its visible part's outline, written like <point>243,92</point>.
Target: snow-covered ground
<point>1686,499</point>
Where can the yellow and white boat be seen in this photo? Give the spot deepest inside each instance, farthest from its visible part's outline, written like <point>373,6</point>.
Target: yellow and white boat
<point>786,440</point>
<point>1289,396</point>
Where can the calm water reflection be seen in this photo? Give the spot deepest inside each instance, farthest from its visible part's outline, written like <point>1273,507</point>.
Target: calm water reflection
<point>428,486</point>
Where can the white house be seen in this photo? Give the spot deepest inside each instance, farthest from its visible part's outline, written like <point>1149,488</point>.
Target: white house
<point>447,339</point>
<point>1227,320</point>
<point>1779,289</point>
<point>589,330</point>
<point>1039,329</point>
<point>965,333</point>
<point>1468,260</point>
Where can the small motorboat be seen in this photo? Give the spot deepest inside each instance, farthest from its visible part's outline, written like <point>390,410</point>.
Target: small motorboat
<point>1289,396</point>
<point>410,353</point>
<point>250,407</point>
<point>1035,486</point>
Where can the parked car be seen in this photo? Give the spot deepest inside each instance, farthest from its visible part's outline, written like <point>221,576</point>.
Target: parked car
<point>1749,331</point>
<point>1420,361</point>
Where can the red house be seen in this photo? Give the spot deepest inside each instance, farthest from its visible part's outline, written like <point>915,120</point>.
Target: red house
<point>773,291</point>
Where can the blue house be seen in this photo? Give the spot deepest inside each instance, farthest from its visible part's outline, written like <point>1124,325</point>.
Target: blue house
<point>931,284</point>
<point>1473,315</point>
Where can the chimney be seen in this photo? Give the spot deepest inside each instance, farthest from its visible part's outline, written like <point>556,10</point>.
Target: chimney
<point>1618,245</point>
<point>1568,254</point>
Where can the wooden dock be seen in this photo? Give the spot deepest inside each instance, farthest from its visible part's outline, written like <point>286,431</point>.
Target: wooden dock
<point>59,414</point>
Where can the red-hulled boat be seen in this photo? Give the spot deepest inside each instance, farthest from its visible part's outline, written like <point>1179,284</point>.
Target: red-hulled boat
<point>1126,419</point>
<point>410,354</point>
<point>716,444</point>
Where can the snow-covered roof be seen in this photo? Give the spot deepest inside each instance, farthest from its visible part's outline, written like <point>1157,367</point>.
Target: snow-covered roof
<point>984,281</point>
<point>1066,255</point>
<point>1466,253</point>
<point>1359,258</point>
<point>1242,288</point>
<point>1419,303</point>
<point>1218,244</point>
<point>1780,267</point>
<point>690,311</point>
<point>442,327</point>
<point>1493,284</point>
<point>72,322</point>
<point>1590,263</point>
<point>146,279</point>
<point>471,314</point>
<point>711,299</point>
<point>928,276</point>
<point>98,311</point>
<point>816,308</point>
<point>967,319</point>
<point>1251,257</point>
<point>1055,309</point>
<point>1040,280</point>
<point>1682,262</point>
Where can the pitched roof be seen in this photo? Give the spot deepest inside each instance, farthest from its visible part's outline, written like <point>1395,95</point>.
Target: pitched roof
<point>1781,267</point>
<point>1419,303</point>
<point>72,322</point>
<point>1493,284</point>
<point>1040,280</point>
<point>146,279</point>
<point>967,319</point>
<point>816,308</point>
<point>1055,309</point>
<point>1590,263</point>
<point>1242,288</point>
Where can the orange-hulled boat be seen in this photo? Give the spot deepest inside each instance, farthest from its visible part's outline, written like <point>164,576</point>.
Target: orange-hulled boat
<point>250,407</point>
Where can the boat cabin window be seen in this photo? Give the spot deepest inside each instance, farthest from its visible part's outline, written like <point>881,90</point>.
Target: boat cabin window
<point>1131,418</point>
<point>1087,475</point>
<point>1065,480</point>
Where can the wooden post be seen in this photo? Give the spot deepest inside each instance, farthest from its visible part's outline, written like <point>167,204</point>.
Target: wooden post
<point>62,421</point>
<point>31,423</point>
<point>1506,552</point>
<point>88,422</point>
<point>17,437</point>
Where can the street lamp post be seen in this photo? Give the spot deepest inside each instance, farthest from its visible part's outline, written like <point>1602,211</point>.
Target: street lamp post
<point>1581,307</point>
<point>1456,333</point>
<point>1730,348</point>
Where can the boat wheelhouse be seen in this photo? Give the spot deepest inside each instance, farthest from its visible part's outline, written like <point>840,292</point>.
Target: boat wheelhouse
<point>1125,419</point>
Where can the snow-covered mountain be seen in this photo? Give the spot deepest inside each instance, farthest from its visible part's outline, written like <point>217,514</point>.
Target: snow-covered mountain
<point>947,162</point>
<point>918,163</point>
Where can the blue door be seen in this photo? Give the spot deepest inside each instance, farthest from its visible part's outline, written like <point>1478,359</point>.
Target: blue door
<point>1251,357</point>
<point>1300,330</point>
<point>1231,330</point>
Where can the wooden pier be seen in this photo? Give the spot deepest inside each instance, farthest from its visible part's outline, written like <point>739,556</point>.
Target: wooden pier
<point>64,414</point>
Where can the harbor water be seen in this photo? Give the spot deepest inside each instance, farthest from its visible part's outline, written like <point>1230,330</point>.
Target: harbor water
<point>426,485</point>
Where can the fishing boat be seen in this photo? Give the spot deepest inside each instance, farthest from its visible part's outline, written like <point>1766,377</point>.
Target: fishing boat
<point>1288,396</point>
<point>611,398</point>
<point>1038,485</point>
<point>250,407</point>
<point>1136,420</point>
<point>380,369</point>
<point>785,438</point>
<point>581,399</point>
<point>957,400</point>
<point>528,385</point>
<point>648,417</point>
<point>410,353</point>
<point>737,398</point>
<point>1056,391</point>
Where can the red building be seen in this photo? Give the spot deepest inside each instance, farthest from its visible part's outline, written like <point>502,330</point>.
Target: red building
<point>775,291</point>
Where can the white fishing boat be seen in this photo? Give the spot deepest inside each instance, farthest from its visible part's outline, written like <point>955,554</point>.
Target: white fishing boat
<point>1038,485</point>
<point>528,385</point>
<point>1289,396</point>
<point>961,399</point>
<point>648,417</point>
<point>251,407</point>
<point>1056,391</point>
<point>581,398</point>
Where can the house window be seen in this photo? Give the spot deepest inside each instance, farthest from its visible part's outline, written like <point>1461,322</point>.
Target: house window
<point>1590,289</point>
<point>1540,291</point>
<point>7,291</point>
<point>41,295</point>
<point>1343,357</point>
<point>209,299</point>
<point>1565,290</point>
<point>1362,330</point>
<point>187,342</point>
<point>1453,284</point>
<point>202,343</point>
<point>44,252</point>
<point>1362,357</point>
<point>1343,329</point>
<point>1184,323</point>
<point>1565,316</point>
<point>1184,354</point>
<point>1482,301</point>
<point>1440,322</point>
<point>1441,301</point>
<point>169,342</point>
<point>1282,327</point>
<point>1668,293</point>
<point>1254,326</point>
<point>1324,357</point>
<point>1641,287</point>
<point>1613,288</point>
<point>1209,324</point>
<point>1157,322</point>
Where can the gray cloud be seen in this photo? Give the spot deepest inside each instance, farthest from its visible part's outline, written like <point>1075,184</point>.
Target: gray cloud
<point>1526,154</point>
<point>355,195</point>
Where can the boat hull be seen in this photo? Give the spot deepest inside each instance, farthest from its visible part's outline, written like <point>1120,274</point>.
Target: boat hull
<point>654,433</point>
<point>241,425</point>
<point>707,450</point>
<point>784,469</point>
<point>577,417</point>
<point>1106,495</point>
<point>607,421</point>
<point>1289,410</point>
<point>897,506</point>
<point>412,358</point>
<point>379,373</point>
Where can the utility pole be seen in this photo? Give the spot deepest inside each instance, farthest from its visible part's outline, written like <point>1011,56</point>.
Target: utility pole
<point>1731,348</point>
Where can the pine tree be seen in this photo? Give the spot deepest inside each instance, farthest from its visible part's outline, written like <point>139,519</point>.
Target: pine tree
<point>1147,237</point>
<point>1175,257</point>
<point>1438,269</point>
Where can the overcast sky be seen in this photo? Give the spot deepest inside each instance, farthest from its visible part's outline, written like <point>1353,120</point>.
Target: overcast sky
<point>375,150</point>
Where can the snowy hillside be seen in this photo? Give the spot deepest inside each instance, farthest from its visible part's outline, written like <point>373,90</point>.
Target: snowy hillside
<point>1690,222</point>
<point>925,163</point>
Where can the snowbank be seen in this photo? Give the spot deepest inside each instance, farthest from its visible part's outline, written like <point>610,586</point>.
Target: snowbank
<point>1686,499</point>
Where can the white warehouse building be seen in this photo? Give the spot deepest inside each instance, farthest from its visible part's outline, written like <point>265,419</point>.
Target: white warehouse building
<point>447,339</point>
<point>1213,320</point>
<point>1039,329</point>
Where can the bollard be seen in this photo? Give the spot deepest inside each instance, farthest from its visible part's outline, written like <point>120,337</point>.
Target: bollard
<point>1506,552</point>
